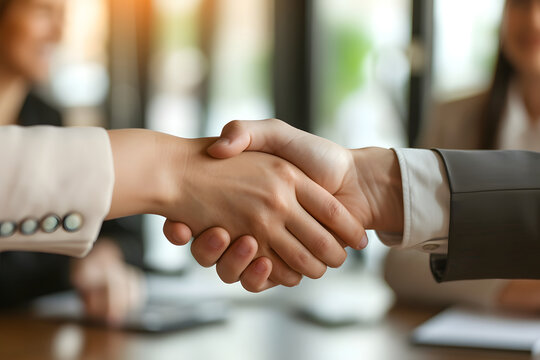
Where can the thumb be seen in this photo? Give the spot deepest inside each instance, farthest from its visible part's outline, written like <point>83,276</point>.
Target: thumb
<point>235,138</point>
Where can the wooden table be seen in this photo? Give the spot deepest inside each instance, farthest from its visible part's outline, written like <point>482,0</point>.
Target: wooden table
<point>253,332</point>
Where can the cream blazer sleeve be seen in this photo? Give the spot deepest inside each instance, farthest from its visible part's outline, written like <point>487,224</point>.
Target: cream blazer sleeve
<point>55,188</point>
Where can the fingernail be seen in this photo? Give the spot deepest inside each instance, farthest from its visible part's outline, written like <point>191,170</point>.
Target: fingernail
<point>260,267</point>
<point>215,243</point>
<point>222,142</point>
<point>243,249</point>
<point>363,242</point>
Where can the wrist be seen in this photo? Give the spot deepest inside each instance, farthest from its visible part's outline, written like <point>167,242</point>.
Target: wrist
<point>379,174</point>
<point>184,173</point>
<point>144,171</point>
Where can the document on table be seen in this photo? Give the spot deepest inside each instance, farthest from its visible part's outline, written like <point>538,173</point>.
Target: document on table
<point>467,327</point>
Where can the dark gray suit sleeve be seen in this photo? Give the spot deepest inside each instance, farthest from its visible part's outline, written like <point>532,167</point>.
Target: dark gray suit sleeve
<point>494,216</point>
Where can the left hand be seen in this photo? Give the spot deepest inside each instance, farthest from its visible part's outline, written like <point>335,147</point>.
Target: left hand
<point>235,263</point>
<point>366,181</point>
<point>109,288</point>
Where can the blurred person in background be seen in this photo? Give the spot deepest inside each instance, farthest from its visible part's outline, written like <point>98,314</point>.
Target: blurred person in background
<point>506,117</point>
<point>108,286</point>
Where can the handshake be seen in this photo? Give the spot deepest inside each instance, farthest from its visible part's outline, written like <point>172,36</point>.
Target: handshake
<point>267,203</point>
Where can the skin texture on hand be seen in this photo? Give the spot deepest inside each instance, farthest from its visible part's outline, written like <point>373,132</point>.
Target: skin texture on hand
<point>264,196</point>
<point>253,194</point>
<point>366,181</point>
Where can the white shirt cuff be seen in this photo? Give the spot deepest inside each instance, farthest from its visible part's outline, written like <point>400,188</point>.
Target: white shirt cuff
<point>426,202</point>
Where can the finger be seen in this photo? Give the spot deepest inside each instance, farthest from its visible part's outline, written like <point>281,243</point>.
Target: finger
<point>281,273</point>
<point>234,139</point>
<point>210,246</point>
<point>177,232</point>
<point>330,212</point>
<point>236,259</point>
<point>294,254</point>
<point>316,238</point>
<point>263,135</point>
<point>340,242</point>
<point>255,277</point>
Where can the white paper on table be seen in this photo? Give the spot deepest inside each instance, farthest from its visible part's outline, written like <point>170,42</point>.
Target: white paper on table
<point>487,329</point>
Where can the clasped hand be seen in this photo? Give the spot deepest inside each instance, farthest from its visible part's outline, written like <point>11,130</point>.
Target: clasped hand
<point>278,217</point>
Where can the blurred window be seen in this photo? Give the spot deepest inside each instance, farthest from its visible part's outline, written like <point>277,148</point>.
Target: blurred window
<point>240,85</point>
<point>361,70</point>
<point>177,68</point>
<point>79,80</point>
<point>465,46</point>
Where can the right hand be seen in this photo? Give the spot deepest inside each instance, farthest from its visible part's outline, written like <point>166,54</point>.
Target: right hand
<point>266,197</point>
<point>365,181</point>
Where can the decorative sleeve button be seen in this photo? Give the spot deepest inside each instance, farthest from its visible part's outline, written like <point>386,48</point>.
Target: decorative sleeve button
<point>29,226</point>
<point>7,228</point>
<point>50,223</point>
<point>73,222</point>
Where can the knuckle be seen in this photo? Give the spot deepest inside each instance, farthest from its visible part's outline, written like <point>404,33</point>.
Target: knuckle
<point>234,125</point>
<point>334,210</point>
<point>301,261</point>
<point>276,202</point>
<point>260,221</point>
<point>322,244</point>
<point>285,171</point>
<point>329,251</point>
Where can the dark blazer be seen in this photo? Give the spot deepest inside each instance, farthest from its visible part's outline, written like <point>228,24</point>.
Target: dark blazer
<point>27,275</point>
<point>494,216</point>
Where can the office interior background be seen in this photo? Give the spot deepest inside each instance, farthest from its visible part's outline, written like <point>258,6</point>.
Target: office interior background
<point>359,72</point>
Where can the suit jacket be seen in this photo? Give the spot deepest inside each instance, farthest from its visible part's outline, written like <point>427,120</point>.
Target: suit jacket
<point>453,125</point>
<point>42,156</point>
<point>494,201</point>
<point>494,216</point>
